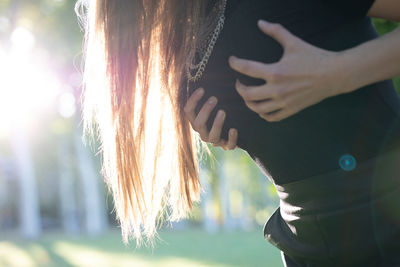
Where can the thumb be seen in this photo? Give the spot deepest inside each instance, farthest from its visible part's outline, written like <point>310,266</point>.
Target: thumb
<point>278,32</point>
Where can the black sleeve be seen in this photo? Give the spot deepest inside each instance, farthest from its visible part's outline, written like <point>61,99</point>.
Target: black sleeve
<point>352,8</point>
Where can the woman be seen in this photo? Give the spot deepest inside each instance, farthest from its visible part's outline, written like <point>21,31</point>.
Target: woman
<point>322,159</point>
<point>338,188</point>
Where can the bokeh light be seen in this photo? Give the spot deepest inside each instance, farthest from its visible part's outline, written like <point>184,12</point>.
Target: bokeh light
<point>22,39</point>
<point>66,105</point>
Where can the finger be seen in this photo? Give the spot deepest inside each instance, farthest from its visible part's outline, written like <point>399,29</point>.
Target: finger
<point>253,93</point>
<point>277,116</point>
<point>263,107</point>
<point>232,139</point>
<point>277,31</point>
<point>192,103</point>
<point>215,132</point>
<point>199,123</point>
<point>221,144</point>
<point>224,145</point>
<point>248,67</point>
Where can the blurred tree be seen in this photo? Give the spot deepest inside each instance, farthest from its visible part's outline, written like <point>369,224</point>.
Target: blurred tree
<point>30,221</point>
<point>93,194</point>
<point>67,194</point>
<point>207,202</point>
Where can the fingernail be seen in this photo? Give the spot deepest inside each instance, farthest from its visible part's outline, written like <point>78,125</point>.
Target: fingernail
<point>212,100</point>
<point>199,91</point>
<point>238,84</point>
<point>221,114</point>
<point>232,132</point>
<point>262,22</point>
<point>232,59</point>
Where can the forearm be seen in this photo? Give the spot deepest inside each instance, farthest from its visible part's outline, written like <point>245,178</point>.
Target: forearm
<point>370,62</point>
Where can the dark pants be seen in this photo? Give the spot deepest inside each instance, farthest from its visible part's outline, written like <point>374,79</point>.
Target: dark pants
<point>288,262</point>
<point>345,218</point>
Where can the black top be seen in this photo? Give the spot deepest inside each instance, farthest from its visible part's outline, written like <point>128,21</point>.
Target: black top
<point>362,123</point>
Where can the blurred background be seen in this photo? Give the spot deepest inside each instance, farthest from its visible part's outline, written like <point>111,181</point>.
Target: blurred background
<point>55,209</point>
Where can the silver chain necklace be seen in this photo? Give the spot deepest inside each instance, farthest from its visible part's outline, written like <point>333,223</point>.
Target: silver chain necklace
<point>207,50</point>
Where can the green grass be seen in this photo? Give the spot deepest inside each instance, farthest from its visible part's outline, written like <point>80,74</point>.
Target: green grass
<point>186,248</point>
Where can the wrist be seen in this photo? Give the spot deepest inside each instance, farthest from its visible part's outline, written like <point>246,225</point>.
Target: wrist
<point>351,70</point>
<point>339,76</point>
<point>348,81</point>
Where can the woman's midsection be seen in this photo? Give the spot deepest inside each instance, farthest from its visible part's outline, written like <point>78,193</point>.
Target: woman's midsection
<point>313,140</point>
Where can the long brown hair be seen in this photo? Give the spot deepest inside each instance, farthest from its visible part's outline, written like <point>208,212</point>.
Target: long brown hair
<point>136,53</point>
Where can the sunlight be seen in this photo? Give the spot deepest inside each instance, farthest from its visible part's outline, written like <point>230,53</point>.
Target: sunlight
<point>66,105</point>
<point>22,39</point>
<point>13,255</point>
<point>86,256</point>
<point>26,88</point>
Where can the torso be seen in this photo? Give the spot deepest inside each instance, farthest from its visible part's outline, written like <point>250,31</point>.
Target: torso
<point>362,123</point>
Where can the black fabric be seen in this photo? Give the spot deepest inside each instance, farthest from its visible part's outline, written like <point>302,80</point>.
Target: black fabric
<point>362,123</point>
<point>341,218</point>
<point>351,8</point>
<point>288,262</point>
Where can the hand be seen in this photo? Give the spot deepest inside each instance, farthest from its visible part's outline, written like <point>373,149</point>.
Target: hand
<point>199,122</point>
<point>304,76</point>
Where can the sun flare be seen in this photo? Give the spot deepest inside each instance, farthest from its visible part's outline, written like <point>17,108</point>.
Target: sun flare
<point>27,88</point>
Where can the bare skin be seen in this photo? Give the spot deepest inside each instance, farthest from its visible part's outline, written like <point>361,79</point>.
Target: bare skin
<point>295,84</point>
<point>199,122</point>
